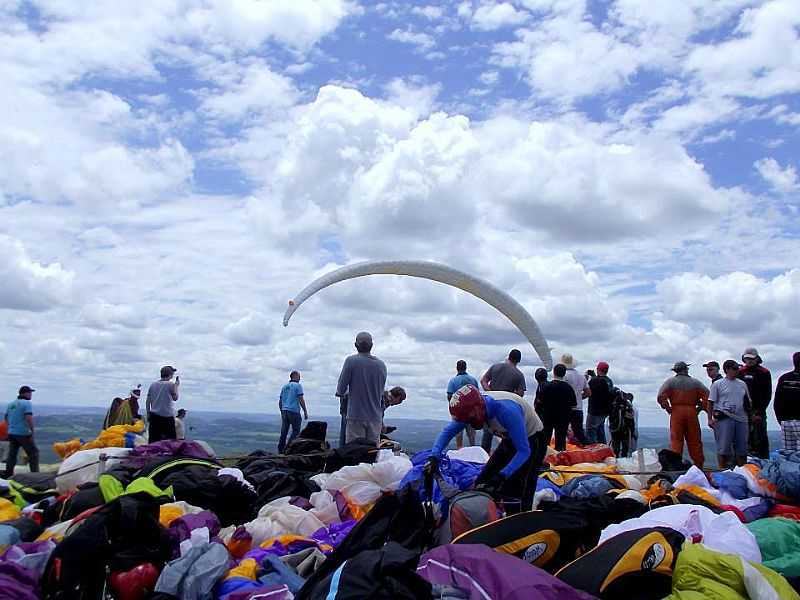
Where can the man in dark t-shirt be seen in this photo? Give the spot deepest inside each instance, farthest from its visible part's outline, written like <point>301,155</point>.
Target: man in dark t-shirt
<point>599,404</point>
<point>557,399</point>
<point>503,377</point>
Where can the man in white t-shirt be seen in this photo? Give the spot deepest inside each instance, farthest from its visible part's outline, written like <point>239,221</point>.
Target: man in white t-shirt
<point>160,406</point>
<point>729,404</point>
<point>581,388</point>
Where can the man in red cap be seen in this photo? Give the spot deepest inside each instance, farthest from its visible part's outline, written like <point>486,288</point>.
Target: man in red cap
<point>512,469</point>
<point>599,404</point>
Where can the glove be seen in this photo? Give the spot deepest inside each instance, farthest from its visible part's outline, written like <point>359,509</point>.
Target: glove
<point>432,465</point>
<point>492,485</point>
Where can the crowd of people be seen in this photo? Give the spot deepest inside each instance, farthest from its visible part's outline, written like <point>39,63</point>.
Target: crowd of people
<point>736,404</point>
<point>569,406</point>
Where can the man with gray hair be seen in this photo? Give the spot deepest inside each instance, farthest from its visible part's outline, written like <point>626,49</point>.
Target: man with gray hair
<point>362,381</point>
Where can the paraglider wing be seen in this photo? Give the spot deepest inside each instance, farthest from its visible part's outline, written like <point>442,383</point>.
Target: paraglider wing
<point>479,288</point>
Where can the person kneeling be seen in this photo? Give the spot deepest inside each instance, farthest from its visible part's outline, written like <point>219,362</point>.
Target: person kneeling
<point>513,468</point>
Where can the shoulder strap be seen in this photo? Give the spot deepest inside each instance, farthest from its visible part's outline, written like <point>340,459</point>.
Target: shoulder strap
<point>448,491</point>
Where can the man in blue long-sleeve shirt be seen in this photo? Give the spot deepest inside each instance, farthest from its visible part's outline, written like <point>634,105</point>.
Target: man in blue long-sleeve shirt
<point>512,469</point>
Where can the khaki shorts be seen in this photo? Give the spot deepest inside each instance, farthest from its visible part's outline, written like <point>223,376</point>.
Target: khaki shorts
<point>356,428</point>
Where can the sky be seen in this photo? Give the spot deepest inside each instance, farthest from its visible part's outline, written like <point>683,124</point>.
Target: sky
<point>172,172</point>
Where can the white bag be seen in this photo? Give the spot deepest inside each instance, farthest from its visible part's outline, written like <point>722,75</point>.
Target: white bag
<point>724,532</point>
<point>85,467</point>
<point>362,493</point>
<point>644,459</point>
<point>473,454</point>
<point>325,508</point>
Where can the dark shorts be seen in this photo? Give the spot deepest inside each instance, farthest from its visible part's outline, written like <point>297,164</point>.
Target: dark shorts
<point>160,428</point>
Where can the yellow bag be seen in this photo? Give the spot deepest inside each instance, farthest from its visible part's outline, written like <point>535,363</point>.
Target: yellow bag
<point>8,510</point>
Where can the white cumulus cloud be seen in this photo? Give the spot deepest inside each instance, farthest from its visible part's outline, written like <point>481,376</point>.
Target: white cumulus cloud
<point>253,329</point>
<point>494,15</point>
<point>29,284</point>
<point>781,179</point>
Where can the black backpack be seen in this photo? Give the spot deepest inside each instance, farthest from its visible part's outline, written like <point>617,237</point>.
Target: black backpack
<point>621,420</point>
<point>396,517</point>
<point>119,536</point>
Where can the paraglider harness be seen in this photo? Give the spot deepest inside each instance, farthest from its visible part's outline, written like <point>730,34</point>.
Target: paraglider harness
<point>466,509</point>
<point>622,422</point>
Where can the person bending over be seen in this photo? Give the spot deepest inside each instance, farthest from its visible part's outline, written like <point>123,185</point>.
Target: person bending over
<point>512,469</point>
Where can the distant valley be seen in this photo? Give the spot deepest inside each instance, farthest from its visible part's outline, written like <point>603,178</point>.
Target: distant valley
<point>234,434</point>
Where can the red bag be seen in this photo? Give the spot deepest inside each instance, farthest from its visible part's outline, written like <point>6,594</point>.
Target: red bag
<point>3,431</point>
<point>135,584</point>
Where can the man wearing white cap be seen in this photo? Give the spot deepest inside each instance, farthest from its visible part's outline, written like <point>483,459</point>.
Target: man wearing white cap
<point>581,388</point>
<point>759,384</point>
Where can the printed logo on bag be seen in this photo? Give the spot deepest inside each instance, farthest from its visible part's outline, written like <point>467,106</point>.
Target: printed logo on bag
<point>653,557</point>
<point>534,552</point>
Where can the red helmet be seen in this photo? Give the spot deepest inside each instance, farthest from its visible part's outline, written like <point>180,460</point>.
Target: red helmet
<point>468,406</point>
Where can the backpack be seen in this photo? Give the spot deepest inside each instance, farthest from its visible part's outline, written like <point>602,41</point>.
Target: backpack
<point>466,510</point>
<point>396,517</point>
<point>634,564</point>
<point>621,419</point>
<point>545,540</point>
<point>119,536</point>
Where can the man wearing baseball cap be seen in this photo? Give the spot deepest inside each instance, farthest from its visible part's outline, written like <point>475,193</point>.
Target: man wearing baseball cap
<point>19,416</point>
<point>712,370</point>
<point>683,397</point>
<point>599,404</point>
<point>161,398</point>
<point>759,384</point>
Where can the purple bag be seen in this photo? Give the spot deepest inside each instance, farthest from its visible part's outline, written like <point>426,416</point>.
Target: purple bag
<point>483,573</point>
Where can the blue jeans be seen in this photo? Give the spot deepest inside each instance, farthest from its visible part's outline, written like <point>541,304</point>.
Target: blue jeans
<point>596,429</point>
<point>289,417</point>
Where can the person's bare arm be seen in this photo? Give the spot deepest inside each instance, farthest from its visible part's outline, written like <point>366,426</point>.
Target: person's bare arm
<point>302,400</point>
<point>486,383</point>
<point>29,421</point>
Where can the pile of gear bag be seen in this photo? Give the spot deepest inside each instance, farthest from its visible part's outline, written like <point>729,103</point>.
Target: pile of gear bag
<point>132,521</point>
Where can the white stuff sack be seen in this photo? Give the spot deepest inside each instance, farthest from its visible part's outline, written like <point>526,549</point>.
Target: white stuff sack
<point>325,508</point>
<point>386,474</point>
<point>84,467</point>
<point>645,459</point>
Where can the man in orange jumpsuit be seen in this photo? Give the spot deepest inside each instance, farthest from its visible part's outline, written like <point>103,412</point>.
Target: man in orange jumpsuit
<point>683,397</point>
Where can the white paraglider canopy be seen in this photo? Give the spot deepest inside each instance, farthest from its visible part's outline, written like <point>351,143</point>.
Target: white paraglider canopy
<point>479,288</point>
